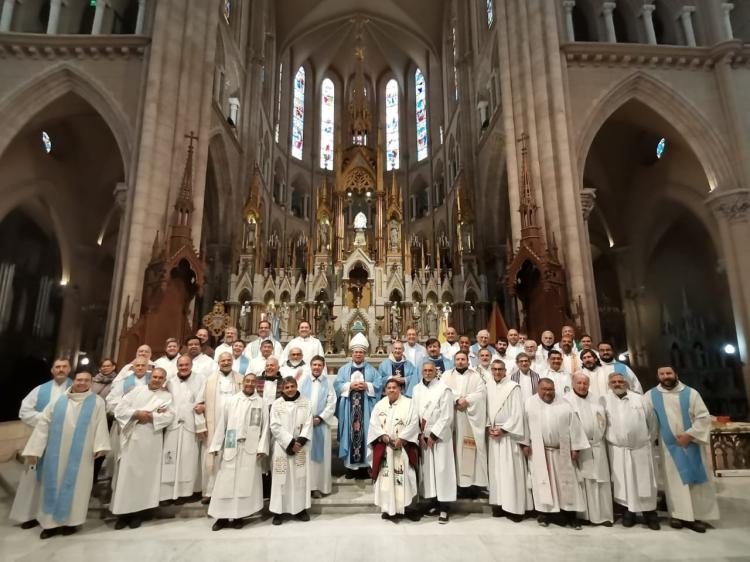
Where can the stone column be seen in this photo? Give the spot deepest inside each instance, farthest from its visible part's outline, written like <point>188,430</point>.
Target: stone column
<point>55,8</point>
<point>609,23</point>
<point>141,18</point>
<point>726,9</point>
<point>588,202</point>
<point>732,210</point>
<point>686,18</point>
<point>114,314</point>
<point>568,6</point>
<point>647,14</point>
<point>96,27</point>
<point>6,18</point>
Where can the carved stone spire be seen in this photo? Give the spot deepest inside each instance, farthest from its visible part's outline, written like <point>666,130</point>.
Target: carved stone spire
<point>183,206</point>
<point>359,107</point>
<point>528,206</point>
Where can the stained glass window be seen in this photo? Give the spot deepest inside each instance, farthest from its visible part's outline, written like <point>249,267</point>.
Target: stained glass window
<point>298,115</point>
<point>455,68</point>
<point>661,146</point>
<point>278,103</point>
<point>490,13</point>
<point>421,110</point>
<point>46,142</point>
<point>327,117</point>
<point>391,125</point>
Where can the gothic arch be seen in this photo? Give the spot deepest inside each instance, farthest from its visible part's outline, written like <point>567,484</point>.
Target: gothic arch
<point>36,94</point>
<point>707,144</point>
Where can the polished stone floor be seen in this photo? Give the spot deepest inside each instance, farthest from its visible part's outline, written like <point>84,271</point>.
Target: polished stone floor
<point>364,536</point>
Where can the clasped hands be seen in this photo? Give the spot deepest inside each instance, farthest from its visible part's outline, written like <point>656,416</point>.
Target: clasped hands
<point>395,443</point>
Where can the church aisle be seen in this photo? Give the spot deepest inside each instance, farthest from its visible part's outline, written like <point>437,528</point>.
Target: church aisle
<point>338,537</point>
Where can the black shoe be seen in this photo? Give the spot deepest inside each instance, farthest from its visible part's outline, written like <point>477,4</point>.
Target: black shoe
<point>576,524</point>
<point>413,515</point>
<point>628,519</point>
<point>350,474</point>
<point>135,522</point>
<point>497,511</point>
<point>443,519</point>
<point>238,523</point>
<point>317,494</point>
<point>47,533</point>
<point>303,516</point>
<point>606,524</point>
<point>67,531</point>
<point>542,520</point>
<point>697,526</point>
<point>121,523</point>
<point>652,521</point>
<point>675,523</point>
<point>431,511</point>
<point>277,520</point>
<point>391,518</point>
<point>514,517</point>
<point>181,501</point>
<point>363,474</point>
<point>29,524</point>
<point>167,503</point>
<point>219,524</point>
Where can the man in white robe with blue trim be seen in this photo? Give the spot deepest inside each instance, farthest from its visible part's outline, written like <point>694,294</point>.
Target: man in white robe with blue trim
<point>26,502</point>
<point>684,437</point>
<point>240,361</point>
<point>316,387</point>
<point>357,386</point>
<point>396,366</point>
<point>71,432</point>
<point>610,365</point>
<point>240,443</point>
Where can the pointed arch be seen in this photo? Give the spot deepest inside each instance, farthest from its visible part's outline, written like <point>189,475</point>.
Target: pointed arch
<point>36,94</point>
<point>702,138</point>
<point>298,114</point>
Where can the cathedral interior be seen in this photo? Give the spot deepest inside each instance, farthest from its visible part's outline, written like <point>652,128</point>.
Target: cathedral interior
<point>371,166</point>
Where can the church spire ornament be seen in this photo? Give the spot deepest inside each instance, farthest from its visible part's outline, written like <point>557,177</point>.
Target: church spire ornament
<point>359,107</point>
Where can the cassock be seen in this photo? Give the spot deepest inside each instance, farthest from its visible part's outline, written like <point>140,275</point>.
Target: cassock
<point>169,365</point>
<point>625,371</point>
<point>310,347</point>
<point>414,353</point>
<point>217,391</point>
<point>68,433</point>
<point>141,445</point>
<point>181,456</point>
<point>592,463</point>
<point>688,482</point>
<point>469,427</point>
<point>507,465</point>
<point>394,470</point>
<point>291,420</point>
<point>562,379</point>
<point>631,426</point>
<point>392,368</point>
<point>252,350</point>
<point>354,410</point>
<point>26,503</point>
<point>240,435</point>
<point>204,365</point>
<point>433,403</point>
<point>319,391</point>
<point>553,431</point>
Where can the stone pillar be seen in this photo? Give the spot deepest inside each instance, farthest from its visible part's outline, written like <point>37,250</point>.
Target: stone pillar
<point>6,18</point>
<point>96,27</point>
<point>609,23</point>
<point>568,6</point>
<point>732,210</point>
<point>726,9</point>
<point>141,18</point>
<point>53,22</point>
<point>114,314</point>
<point>647,15</point>
<point>686,18</point>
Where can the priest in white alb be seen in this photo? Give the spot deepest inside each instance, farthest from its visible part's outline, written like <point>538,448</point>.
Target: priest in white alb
<point>295,366</point>
<point>631,429</point>
<point>310,345</point>
<point>433,402</point>
<point>168,361</point>
<point>593,463</point>
<point>612,365</point>
<point>181,459</point>
<point>142,414</point>
<point>684,438</point>
<point>26,503</point>
<point>469,425</point>
<point>554,439</point>
<point>291,431</point>
<point>264,333</point>
<point>392,448</point>
<point>70,433</point>
<point>143,351</point>
<point>509,494</point>
<point>239,444</point>
<point>316,387</point>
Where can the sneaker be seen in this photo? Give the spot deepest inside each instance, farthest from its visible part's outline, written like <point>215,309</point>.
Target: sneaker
<point>277,520</point>
<point>443,519</point>
<point>219,524</point>
<point>303,516</point>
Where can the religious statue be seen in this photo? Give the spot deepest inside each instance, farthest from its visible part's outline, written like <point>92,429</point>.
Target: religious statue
<point>360,221</point>
<point>432,321</point>
<point>393,235</point>
<point>249,235</point>
<point>285,318</point>
<point>274,320</point>
<point>323,243</point>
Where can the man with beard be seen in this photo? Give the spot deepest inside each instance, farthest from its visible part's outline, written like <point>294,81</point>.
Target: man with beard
<point>684,437</point>
<point>571,361</point>
<point>258,363</point>
<point>483,365</point>
<point>547,343</point>
<point>611,365</point>
<point>598,378</point>
<point>295,366</point>
<point>501,347</point>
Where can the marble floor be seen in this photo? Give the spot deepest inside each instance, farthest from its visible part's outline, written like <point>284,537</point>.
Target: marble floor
<point>364,536</point>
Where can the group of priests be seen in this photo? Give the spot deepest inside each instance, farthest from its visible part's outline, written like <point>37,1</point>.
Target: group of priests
<point>557,430</point>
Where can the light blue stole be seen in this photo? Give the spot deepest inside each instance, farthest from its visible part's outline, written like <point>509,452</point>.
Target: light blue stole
<point>344,376</point>
<point>57,500</point>
<point>305,389</point>
<point>45,393</point>
<point>687,459</point>
<point>244,363</point>
<point>129,383</point>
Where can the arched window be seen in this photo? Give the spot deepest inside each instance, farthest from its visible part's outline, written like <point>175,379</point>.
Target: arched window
<point>420,96</point>
<point>46,142</point>
<point>298,115</point>
<point>490,13</point>
<point>391,125</point>
<point>278,103</point>
<point>327,117</point>
<point>455,68</point>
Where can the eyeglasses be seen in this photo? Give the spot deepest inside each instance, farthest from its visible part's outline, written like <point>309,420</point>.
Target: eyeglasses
<point>498,368</point>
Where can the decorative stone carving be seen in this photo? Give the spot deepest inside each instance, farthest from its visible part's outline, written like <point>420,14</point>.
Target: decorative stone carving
<point>731,205</point>
<point>588,201</point>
